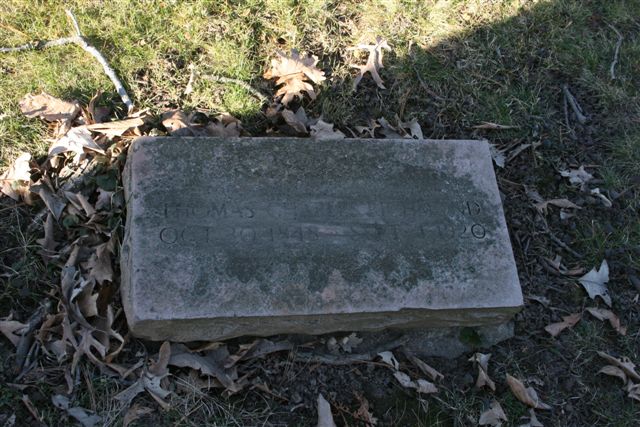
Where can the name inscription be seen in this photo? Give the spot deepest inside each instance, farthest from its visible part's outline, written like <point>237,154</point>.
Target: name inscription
<point>320,222</point>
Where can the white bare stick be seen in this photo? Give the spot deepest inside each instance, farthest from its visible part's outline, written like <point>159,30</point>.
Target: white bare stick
<point>573,103</point>
<point>105,65</point>
<point>80,41</point>
<point>616,54</point>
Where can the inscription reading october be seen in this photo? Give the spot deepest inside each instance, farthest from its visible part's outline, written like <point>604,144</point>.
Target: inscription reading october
<point>320,222</point>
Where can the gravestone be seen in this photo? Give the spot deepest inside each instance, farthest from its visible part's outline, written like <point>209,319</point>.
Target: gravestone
<point>263,236</point>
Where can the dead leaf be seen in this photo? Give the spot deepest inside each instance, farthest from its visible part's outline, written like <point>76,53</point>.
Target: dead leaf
<point>220,130</point>
<point>293,75</point>
<point>421,386</point>
<point>324,131</point>
<point>494,416</point>
<point>614,371</point>
<point>325,417</point>
<point>578,177</point>
<point>77,140</point>
<point>83,416</point>
<point>482,361</point>
<point>594,282</point>
<point>415,131</point>
<point>567,322</point>
<point>533,420</point>
<point>50,108</point>
<point>497,155</point>
<point>558,267</point>
<point>348,343</point>
<point>209,365</point>
<point>298,120</point>
<point>374,62</point>
<point>527,395</point>
<point>99,264</point>
<point>54,203</point>
<point>633,391</point>
<point>177,123</point>
<point>364,412</point>
<point>603,314</point>
<point>104,199</point>
<point>624,363</point>
<point>561,203</point>
<point>135,412</point>
<point>606,202</point>
<point>9,328</point>
<point>425,368</point>
<point>494,126</point>
<point>14,182</point>
<point>48,242</point>
<point>116,127</point>
<point>389,359</point>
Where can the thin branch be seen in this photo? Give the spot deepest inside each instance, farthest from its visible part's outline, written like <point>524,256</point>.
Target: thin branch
<point>616,54</point>
<point>240,83</point>
<point>573,103</point>
<point>80,41</point>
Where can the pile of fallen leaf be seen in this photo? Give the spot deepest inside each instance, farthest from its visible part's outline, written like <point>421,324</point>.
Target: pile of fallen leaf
<point>77,195</point>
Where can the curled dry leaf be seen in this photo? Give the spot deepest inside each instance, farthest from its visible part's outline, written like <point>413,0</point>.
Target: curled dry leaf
<point>348,343</point>
<point>569,321</point>
<point>526,395</point>
<point>425,368</point>
<point>533,420</point>
<point>561,203</point>
<point>293,74</point>
<point>413,127</point>
<point>325,417</point>
<point>594,282</point>
<point>77,140</point>
<point>603,314</point>
<point>14,182</point>
<point>556,265</point>
<point>324,131</point>
<point>494,416</point>
<point>578,177</point>
<point>614,371</point>
<point>298,120</point>
<point>388,358</point>
<point>497,155</point>
<point>482,361</point>
<point>50,108</point>
<point>11,329</point>
<point>606,202</point>
<point>54,203</point>
<point>211,364</point>
<point>624,363</point>
<point>83,416</point>
<point>116,127</point>
<point>421,386</point>
<point>374,61</point>
<point>99,264</point>
<point>364,412</point>
<point>135,412</point>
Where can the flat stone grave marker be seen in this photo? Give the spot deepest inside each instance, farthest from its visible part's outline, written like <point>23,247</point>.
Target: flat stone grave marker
<point>263,236</point>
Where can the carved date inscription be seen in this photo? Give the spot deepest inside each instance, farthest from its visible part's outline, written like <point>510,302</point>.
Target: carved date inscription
<point>320,222</point>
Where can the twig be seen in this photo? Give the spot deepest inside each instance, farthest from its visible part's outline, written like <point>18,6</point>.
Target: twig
<point>573,103</point>
<point>240,83</point>
<point>564,246</point>
<point>565,107</point>
<point>616,54</point>
<point>80,41</point>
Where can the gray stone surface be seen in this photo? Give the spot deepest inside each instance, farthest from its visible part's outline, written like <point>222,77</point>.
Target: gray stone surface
<point>262,236</point>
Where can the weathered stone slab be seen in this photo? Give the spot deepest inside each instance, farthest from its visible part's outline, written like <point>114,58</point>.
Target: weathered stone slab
<point>261,236</point>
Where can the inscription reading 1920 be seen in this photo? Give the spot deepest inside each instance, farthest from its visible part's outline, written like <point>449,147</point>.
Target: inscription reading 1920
<point>320,222</point>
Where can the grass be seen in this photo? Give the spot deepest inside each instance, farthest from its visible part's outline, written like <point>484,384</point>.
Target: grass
<point>454,65</point>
